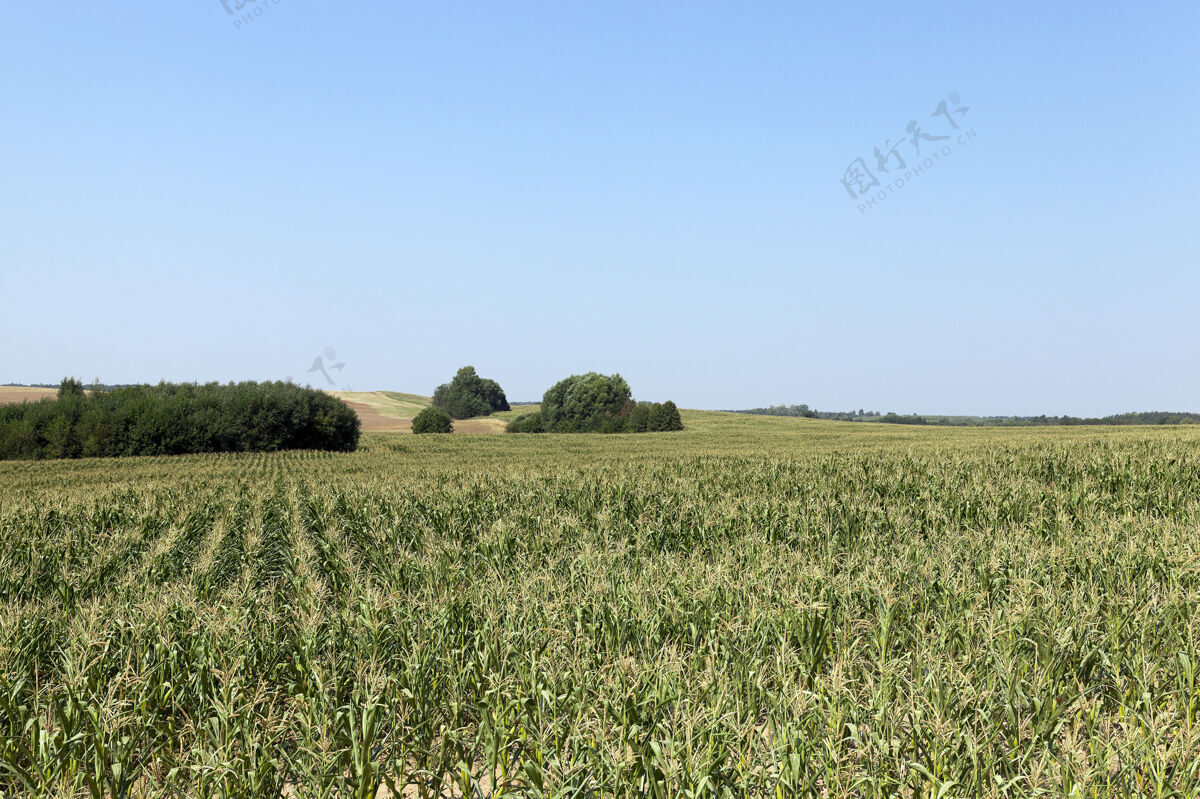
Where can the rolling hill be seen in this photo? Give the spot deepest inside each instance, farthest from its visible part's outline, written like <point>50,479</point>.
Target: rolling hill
<point>393,411</point>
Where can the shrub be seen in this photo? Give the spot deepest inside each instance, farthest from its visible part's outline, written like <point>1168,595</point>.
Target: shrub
<point>526,423</point>
<point>432,420</point>
<point>469,395</point>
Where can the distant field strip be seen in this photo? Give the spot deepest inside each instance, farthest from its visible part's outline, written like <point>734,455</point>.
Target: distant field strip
<point>11,394</point>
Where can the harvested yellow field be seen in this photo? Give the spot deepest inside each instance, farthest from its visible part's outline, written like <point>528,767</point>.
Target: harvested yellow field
<point>14,394</point>
<point>393,412</point>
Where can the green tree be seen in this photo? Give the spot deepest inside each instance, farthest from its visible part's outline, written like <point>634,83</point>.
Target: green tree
<point>582,403</point>
<point>494,396</point>
<point>60,441</point>
<point>70,387</point>
<point>671,419</point>
<point>658,418</point>
<point>639,418</point>
<point>469,395</point>
<point>432,420</point>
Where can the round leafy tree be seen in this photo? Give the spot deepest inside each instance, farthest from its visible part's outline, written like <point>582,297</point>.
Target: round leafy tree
<point>432,420</point>
<point>469,395</point>
<point>584,402</point>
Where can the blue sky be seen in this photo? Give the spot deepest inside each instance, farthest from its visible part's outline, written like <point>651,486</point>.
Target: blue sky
<point>652,188</point>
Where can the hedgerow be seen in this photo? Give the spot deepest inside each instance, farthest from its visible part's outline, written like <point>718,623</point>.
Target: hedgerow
<point>172,419</point>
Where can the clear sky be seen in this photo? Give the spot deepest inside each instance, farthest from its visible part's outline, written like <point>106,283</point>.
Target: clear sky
<point>542,189</point>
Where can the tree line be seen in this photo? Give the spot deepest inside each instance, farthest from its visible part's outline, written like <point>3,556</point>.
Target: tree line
<point>173,419</point>
<point>1145,417</point>
<point>95,385</point>
<point>1118,419</point>
<point>812,413</point>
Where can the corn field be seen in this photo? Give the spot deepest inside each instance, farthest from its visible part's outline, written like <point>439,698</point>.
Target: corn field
<point>752,607</point>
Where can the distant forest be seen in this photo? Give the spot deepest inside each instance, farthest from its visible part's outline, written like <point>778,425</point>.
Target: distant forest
<point>1145,417</point>
<point>95,385</point>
